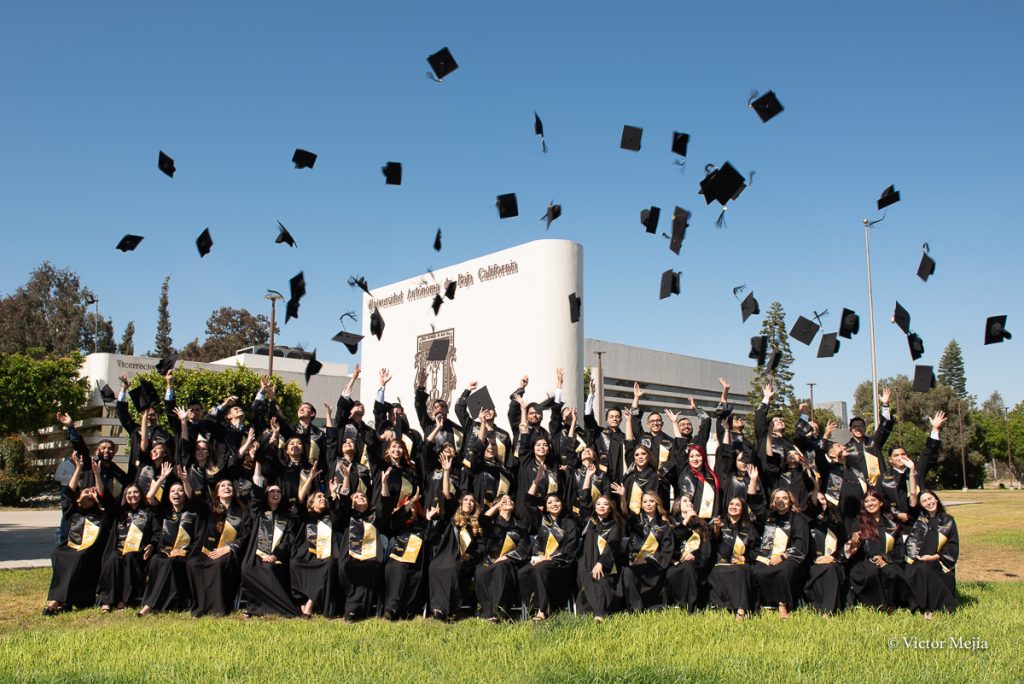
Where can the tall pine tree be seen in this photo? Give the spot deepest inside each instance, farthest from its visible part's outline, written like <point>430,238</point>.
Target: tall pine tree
<point>164,344</point>
<point>774,326</point>
<point>127,345</point>
<point>951,369</point>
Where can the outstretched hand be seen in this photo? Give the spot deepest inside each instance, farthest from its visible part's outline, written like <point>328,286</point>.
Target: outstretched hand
<point>938,420</point>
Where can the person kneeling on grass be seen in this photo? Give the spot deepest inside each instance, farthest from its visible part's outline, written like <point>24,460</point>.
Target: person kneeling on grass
<point>932,550</point>
<point>782,550</point>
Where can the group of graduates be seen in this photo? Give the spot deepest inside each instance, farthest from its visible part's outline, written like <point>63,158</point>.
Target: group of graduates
<point>234,508</point>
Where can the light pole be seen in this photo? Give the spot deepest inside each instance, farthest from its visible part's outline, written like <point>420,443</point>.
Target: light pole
<point>811,385</point>
<point>871,319</point>
<point>600,387</point>
<point>90,299</point>
<point>274,296</point>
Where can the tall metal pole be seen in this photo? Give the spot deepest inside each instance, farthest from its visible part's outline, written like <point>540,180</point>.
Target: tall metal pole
<point>600,387</point>
<point>811,386</point>
<point>274,297</point>
<point>963,447</point>
<point>899,423</point>
<point>871,318</point>
<point>1009,457</point>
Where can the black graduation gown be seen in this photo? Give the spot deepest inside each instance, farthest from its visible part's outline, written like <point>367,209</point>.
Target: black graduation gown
<point>265,579</point>
<point>843,488</point>
<point>454,553</point>
<point>788,534</point>
<point>583,498</point>
<point>706,499</point>
<point>873,586</point>
<point>610,445</point>
<point>932,584</point>
<point>316,551</point>
<point>488,480</point>
<point>406,561</point>
<point>685,579</point>
<point>526,505</point>
<point>866,454</point>
<point>601,543</point>
<point>123,572</point>
<point>76,562</point>
<point>497,585</point>
<point>362,546</point>
<point>175,535</point>
<point>729,580</point>
<point>823,588</point>
<point>547,578</point>
<point>215,581</point>
<point>637,483</point>
<point>800,485</point>
<point>648,539</point>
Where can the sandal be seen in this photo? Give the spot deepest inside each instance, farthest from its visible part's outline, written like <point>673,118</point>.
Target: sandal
<point>540,617</point>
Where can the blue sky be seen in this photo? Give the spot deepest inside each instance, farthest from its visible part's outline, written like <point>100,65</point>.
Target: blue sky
<point>919,94</point>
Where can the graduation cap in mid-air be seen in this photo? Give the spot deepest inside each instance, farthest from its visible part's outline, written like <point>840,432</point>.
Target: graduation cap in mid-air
<point>995,330</point>
<point>758,348</point>
<point>438,349</point>
<point>749,307</point>
<point>669,284</point>
<point>631,136</point>
<point>804,330</point>
<point>436,304</point>
<point>129,242</point>
<point>204,243</point>
<point>303,159</point>
<point>553,212</point>
<point>392,173</point>
<point>575,306</point>
<point>165,164</point>
<point>441,63</point>
<point>283,236</point>
<point>479,401</point>
<point>889,197</point>
<point>166,364</point>
<point>376,324</point>
<point>297,287</point>
<point>507,205</point>
<point>360,282</point>
<point>916,345</point>
<point>350,340</point>
<point>437,241</point>
<point>901,317</point>
<point>927,266</point>
<point>924,378</point>
<point>767,106</point>
<point>849,324</point>
<point>679,143</point>
<point>722,184</point>
<point>680,221</point>
<point>449,289</point>
<point>538,129</point>
<point>312,367</point>
<point>291,310</point>
<point>649,219</point>
<point>829,345</point>
<point>144,396</point>
<point>107,394</point>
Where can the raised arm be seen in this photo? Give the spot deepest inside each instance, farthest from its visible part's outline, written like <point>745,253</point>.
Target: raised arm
<point>931,449</point>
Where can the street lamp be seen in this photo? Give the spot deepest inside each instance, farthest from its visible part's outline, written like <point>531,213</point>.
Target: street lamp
<point>600,386</point>
<point>91,299</point>
<point>871,318</point>
<point>274,296</point>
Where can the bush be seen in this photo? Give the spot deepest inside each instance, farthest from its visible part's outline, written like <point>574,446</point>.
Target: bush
<point>13,455</point>
<point>15,488</point>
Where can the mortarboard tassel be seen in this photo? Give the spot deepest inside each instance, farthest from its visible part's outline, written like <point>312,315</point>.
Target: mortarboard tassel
<point>753,96</point>
<point>720,221</point>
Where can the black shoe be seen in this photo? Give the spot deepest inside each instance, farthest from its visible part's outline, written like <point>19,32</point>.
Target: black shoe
<point>390,615</point>
<point>350,617</point>
<point>48,611</point>
<point>438,615</point>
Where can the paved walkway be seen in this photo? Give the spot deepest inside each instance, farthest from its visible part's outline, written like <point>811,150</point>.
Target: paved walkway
<point>27,538</point>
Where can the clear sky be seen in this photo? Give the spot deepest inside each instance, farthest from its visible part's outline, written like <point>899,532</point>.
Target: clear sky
<point>923,95</point>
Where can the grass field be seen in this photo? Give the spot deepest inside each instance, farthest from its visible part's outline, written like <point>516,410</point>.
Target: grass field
<point>981,642</point>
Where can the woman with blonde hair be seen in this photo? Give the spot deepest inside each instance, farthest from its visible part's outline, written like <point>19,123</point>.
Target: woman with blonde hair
<point>548,575</point>
<point>600,560</point>
<point>456,545</point>
<point>649,552</point>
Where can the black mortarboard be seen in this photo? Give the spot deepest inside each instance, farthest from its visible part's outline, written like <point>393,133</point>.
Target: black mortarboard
<point>360,282</point>
<point>479,401</point>
<point>926,268</point>
<point>804,330</point>
<point>849,324</point>
<point>303,159</point>
<point>129,243</point>
<point>313,367</point>
<point>436,304</point>
<point>679,143</point>
<point>995,330</point>
<point>649,219</point>
<point>916,345</point>
<point>507,205</point>
<point>438,349</point>
<point>166,364</point>
<point>776,359</point>
<point>680,220</point>
<point>449,289</point>
<point>631,136</point>
<point>766,106</point>
<point>107,394</point>
<point>829,345</point>
<point>291,310</point>
<point>442,63</point>
<point>283,236</point>
<point>901,318</point>
<point>575,305</point>
<point>165,164</point>
<point>204,243</point>
<point>553,212</point>
<point>298,286</point>
<point>144,396</point>
<point>758,349</point>
<point>392,173</point>
<point>437,241</point>
<point>924,378</point>
<point>376,324</point>
<point>669,283</point>
<point>538,128</point>
<point>749,307</point>
<point>722,185</point>
<point>350,340</point>
<point>889,196</point>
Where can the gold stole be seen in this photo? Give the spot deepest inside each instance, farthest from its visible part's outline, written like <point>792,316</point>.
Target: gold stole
<point>707,502</point>
<point>831,542</point>
<point>649,548</point>
<point>551,546</point>
<point>368,549</point>
<point>133,540</point>
<point>739,549</point>
<point>116,488</point>
<point>323,540</point>
<point>552,484</point>
<point>602,544</point>
<point>90,531</point>
<point>712,450</point>
<point>412,550</point>
<point>227,535</point>
<point>663,454</point>
<point>457,438</point>
<point>779,543</point>
<point>503,486</point>
<point>580,444</point>
<point>314,451</point>
<point>595,493</point>
<point>890,541</point>
<point>278,533</point>
<point>407,441</point>
<point>635,495</point>
<point>465,539</point>
<point>159,493</point>
<point>871,461</point>
<point>406,489</point>
<point>692,544</point>
<point>364,458</point>
<point>181,541</point>
<point>500,450</point>
<point>507,546</point>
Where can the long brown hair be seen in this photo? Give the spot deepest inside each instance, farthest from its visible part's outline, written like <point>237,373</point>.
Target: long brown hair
<point>470,520</point>
<point>613,510</point>
<point>866,521</point>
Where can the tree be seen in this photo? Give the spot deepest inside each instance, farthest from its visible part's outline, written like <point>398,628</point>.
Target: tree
<point>951,369</point>
<point>774,326</point>
<point>994,405</point>
<point>97,334</point>
<point>127,345</point>
<point>164,343</point>
<point>999,435</point>
<point>227,331</point>
<point>32,387</point>
<point>45,313</point>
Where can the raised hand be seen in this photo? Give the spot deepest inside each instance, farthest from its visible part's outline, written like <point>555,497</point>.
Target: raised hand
<point>328,410</point>
<point>124,380</point>
<point>165,470</point>
<point>693,404</point>
<point>180,472</point>
<point>671,415</point>
<point>472,386</point>
<point>446,463</point>
<point>725,384</point>
<point>542,472</point>
<point>938,420</point>
<point>433,511</point>
<point>181,413</point>
<point>275,427</point>
<point>421,378</point>
<point>169,378</point>
<point>64,419</point>
<point>76,458</point>
<point>355,371</point>
<point>593,384</point>
<point>385,377</point>
<point>769,392</point>
<point>524,381</point>
<point>830,427</point>
<point>618,489</point>
<point>559,377</point>
<point>637,392</point>
<point>884,396</point>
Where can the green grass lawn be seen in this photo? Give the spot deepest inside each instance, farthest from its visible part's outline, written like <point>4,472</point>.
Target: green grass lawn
<point>665,646</point>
